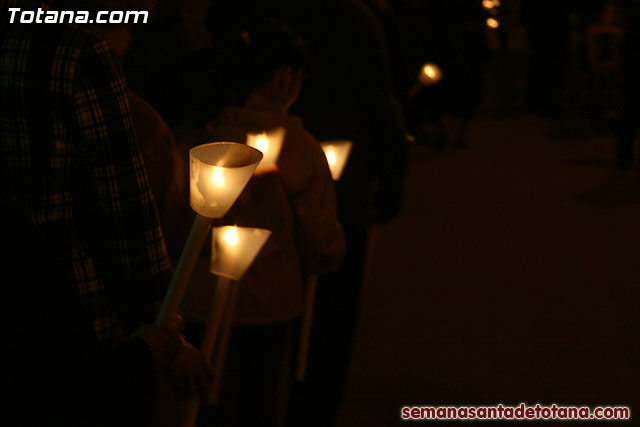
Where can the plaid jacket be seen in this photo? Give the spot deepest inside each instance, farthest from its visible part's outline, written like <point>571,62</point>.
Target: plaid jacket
<point>72,172</point>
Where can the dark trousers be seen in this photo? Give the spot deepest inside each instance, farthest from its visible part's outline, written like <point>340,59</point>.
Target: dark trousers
<point>629,127</point>
<point>254,385</point>
<point>316,401</point>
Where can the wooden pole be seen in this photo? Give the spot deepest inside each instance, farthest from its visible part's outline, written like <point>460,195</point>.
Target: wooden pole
<point>223,348</point>
<point>184,269</point>
<point>312,282</point>
<point>305,333</point>
<point>209,342</point>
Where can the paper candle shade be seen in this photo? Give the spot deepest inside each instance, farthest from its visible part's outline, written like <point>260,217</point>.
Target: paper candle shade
<point>270,144</point>
<point>219,172</point>
<point>430,74</point>
<point>337,153</point>
<point>234,249</point>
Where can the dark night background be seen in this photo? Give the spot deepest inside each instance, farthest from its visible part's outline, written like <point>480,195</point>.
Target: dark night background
<point>511,272</point>
<point>511,275</point>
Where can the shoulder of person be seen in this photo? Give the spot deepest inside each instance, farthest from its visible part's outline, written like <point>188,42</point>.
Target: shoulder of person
<point>145,112</point>
<point>88,48</point>
<point>304,141</point>
<point>79,37</point>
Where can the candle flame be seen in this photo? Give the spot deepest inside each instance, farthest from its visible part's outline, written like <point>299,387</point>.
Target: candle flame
<point>331,157</point>
<point>231,236</point>
<point>217,177</point>
<point>262,143</point>
<point>429,71</point>
<point>492,23</point>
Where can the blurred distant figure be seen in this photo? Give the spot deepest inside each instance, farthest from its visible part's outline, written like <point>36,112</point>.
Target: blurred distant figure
<point>604,48</point>
<point>463,49</point>
<point>548,31</point>
<point>630,118</point>
<point>455,39</point>
<point>401,79</point>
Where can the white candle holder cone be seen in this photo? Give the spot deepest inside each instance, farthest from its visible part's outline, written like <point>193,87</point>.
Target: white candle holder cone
<point>234,249</point>
<point>269,143</point>
<point>337,153</point>
<point>219,171</point>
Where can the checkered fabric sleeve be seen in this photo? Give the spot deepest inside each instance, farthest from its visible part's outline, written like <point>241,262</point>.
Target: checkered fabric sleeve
<point>133,251</point>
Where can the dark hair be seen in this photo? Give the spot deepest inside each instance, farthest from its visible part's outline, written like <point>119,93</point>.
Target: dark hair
<point>262,48</point>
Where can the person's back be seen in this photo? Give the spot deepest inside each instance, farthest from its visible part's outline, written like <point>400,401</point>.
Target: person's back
<point>168,173</point>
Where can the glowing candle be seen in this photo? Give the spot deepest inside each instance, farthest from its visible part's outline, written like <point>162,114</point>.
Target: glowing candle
<point>219,172</point>
<point>429,71</point>
<point>231,236</point>
<point>430,74</point>
<point>337,153</point>
<point>235,248</point>
<point>217,177</point>
<point>262,143</point>
<point>270,144</point>
<point>493,23</point>
<point>233,251</point>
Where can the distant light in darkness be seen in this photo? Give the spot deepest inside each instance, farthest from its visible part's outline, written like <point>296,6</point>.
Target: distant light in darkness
<point>490,4</point>
<point>493,23</point>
